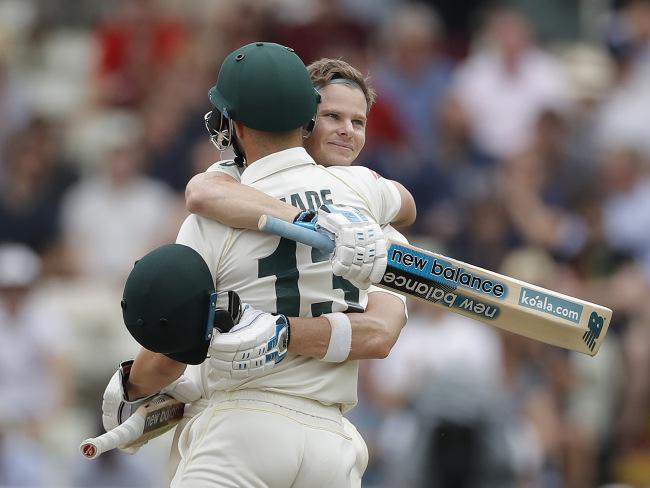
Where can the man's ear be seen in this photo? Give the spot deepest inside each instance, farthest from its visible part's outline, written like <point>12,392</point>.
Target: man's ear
<point>239,130</point>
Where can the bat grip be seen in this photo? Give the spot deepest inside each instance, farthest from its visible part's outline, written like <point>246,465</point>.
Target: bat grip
<point>295,232</point>
<point>126,432</point>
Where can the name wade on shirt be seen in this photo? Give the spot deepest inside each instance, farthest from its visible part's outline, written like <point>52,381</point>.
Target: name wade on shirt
<point>309,200</point>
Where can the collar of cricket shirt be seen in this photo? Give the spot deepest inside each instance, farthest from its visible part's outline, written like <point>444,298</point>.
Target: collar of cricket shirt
<point>276,162</point>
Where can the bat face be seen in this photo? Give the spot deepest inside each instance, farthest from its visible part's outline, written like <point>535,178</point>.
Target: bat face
<point>495,299</point>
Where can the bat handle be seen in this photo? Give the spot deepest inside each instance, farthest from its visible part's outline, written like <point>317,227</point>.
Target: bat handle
<point>295,232</point>
<point>126,432</point>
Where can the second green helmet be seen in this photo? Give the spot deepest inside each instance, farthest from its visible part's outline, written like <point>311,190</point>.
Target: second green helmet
<point>169,303</point>
<point>265,86</point>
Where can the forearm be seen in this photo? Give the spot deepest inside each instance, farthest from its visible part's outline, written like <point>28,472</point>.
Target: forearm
<point>151,372</point>
<point>374,332</point>
<point>221,198</point>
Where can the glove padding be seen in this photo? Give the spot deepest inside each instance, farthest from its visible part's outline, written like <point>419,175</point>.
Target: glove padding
<point>254,346</point>
<point>116,407</point>
<point>360,255</point>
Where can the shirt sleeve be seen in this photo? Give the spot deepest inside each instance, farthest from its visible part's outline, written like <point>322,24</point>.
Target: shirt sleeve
<point>380,195</point>
<point>207,237</point>
<point>228,167</point>
<point>391,200</point>
<point>386,199</point>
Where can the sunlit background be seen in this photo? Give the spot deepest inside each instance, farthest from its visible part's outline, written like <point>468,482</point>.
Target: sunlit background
<point>522,129</point>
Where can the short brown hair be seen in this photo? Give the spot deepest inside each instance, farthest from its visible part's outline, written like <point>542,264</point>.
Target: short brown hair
<point>323,71</point>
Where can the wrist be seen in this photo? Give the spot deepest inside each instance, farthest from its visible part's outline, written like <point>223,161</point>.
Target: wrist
<point>131,392</point>
<point>340,343</point>
<point>284,338</point>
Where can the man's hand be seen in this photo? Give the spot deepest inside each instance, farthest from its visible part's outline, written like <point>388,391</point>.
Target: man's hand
<point>254,346</point>
<point>360,252</point>
<point>116,406</point>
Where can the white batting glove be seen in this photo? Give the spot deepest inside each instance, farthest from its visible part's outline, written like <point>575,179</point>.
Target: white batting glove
<point>360,254</point>
<point>254,346</point>
<point>116,408</point>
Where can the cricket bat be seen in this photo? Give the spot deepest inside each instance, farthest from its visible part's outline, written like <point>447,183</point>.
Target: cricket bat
<point>465,289</point>
<point>150,420</point>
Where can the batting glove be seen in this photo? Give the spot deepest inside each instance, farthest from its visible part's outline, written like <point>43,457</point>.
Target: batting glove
<point>253,347</point>
<point>360,254</point>
<point>116,407</point>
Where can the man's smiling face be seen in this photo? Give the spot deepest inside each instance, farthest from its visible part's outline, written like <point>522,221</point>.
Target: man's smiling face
<point>340,130</point>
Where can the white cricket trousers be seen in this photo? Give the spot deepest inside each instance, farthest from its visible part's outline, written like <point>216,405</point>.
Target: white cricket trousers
<point>255,439</point>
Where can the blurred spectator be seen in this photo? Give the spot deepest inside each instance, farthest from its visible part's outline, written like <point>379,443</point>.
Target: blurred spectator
<point>439,392</point>
<point>486,235</point>
<point>172,118</point>
<point>447,182</point>
<point>576,396</point>
<point>630,459</point>
<point>24,462</point>
<point>591,75</point>
<point>624,117</point>
<point>541,190</point>
<point>369,12</point>
<point>592,404</point>
<point>137,41</point>
<point>626,220</point>
<point>410,75</point>
<point>238,23</point>
<point>459,18</point>
<point>507,83</point>
<point>35,182</point>
<point>555,21</point>
<point>113,217</point>
<point>35,381</point>
<point>14,107</point>
<point>326,32</point>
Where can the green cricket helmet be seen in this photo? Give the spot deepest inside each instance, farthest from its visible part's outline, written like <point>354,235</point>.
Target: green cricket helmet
<point>265,86</point>
<point>169,303</point>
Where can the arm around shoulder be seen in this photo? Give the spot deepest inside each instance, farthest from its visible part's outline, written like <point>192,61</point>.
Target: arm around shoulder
<point>218,196</point>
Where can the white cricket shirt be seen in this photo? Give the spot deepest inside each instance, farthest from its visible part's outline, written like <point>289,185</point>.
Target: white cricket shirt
<point>281,276</point>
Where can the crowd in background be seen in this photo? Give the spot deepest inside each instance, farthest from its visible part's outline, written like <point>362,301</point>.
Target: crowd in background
<point>522,128</point>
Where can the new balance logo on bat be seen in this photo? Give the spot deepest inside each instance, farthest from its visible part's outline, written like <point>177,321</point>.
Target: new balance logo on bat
<point>445,273</point>
<point>594,328</point>
<point>436,293</point>
<point>157,418</point>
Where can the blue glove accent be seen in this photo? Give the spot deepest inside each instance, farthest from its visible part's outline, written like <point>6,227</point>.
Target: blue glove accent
<point>279,343</point>
<point>306,219</point>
